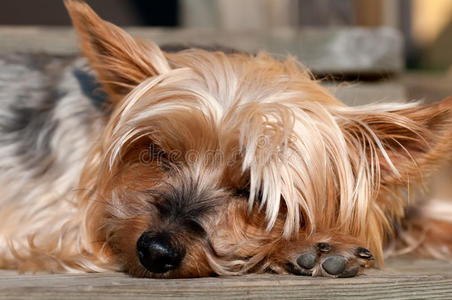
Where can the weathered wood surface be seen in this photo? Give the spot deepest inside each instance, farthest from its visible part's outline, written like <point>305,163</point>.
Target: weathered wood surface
<point>401,279</point>
<point>325,51</point>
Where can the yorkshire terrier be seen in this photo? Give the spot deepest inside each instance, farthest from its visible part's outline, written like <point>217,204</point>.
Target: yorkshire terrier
<point>205,163</point>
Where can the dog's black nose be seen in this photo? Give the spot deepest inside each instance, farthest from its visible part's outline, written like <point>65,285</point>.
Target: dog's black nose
<point>157,253</point>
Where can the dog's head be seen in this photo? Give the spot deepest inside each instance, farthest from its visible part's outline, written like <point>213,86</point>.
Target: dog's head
<point>208,159</point>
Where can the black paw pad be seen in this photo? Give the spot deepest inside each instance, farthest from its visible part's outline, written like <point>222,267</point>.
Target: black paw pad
<point>364,253</point>
<point>307,260</point>
<point>334,265</point>
<point>323,247</point>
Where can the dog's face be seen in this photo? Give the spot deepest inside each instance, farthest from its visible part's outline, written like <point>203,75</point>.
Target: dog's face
<point>208,159</point>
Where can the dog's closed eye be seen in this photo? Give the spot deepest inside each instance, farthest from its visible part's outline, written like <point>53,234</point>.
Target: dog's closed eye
<point>243,192</point>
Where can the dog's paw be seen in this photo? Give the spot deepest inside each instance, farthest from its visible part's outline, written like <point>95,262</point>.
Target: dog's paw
<point>329,260</point>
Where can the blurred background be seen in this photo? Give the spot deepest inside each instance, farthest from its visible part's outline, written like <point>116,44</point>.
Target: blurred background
<point>408,42</point>
<point>426,25</point>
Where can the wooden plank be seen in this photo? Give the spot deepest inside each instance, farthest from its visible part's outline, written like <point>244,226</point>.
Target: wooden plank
<point>402,279</point>
<point>353,93</point>
<point>326,51</point>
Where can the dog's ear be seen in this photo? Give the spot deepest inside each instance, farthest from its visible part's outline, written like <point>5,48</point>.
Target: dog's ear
<point>120,61</point>
<point>416,138</point>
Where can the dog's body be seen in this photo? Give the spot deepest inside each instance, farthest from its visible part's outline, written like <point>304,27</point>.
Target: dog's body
<point>48,126</point>
<point>197,163</point>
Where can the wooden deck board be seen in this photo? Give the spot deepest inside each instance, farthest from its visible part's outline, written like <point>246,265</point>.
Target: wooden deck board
<point>325,51</point>
<point>401,279</point>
